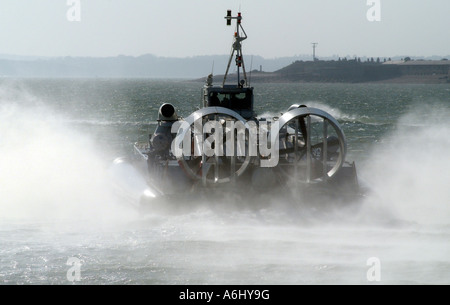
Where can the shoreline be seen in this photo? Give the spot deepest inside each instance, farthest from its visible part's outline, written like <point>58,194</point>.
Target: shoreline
<point>272,77</point>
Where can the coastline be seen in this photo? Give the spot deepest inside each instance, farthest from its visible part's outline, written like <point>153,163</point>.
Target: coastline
<point>274,77</point>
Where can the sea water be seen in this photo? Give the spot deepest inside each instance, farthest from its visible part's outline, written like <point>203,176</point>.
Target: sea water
<point>60,222</point>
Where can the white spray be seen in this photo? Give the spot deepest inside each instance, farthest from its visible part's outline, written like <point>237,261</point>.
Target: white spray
<point>48,170</point>
<point>410,169</point>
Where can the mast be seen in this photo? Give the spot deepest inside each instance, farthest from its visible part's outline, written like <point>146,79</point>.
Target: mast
<point>237,48</point>
<point>314,44</point>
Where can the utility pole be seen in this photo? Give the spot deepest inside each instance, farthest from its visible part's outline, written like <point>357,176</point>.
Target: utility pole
<point>314,44</point>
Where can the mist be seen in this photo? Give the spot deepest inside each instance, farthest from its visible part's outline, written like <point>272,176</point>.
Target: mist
<point>57,176</point>
<point>48,169</point>
<point>409,170</point>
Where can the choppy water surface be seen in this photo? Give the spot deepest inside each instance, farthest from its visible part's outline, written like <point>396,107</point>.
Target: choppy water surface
<point>58,137</point>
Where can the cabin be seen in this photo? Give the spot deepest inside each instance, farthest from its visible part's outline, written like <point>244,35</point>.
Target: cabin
<point>236,98</point>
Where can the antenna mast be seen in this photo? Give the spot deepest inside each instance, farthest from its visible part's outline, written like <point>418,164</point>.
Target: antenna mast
<point>237,47</point>
<point>314,44</point>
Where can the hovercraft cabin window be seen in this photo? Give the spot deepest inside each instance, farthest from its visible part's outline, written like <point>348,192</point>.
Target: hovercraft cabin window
<point>238,101</point>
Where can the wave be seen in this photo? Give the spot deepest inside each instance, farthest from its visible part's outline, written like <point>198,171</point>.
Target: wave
<point>333,111</point>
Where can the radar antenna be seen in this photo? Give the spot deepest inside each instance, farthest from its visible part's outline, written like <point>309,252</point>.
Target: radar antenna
<point>237,48</point>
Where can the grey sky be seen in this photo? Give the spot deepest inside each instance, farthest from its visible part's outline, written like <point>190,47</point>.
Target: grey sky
<point>180,28</point>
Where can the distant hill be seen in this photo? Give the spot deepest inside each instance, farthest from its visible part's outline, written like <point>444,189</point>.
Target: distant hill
<point>354,71</point>
<point>294,69</point>
<point>146,66</point>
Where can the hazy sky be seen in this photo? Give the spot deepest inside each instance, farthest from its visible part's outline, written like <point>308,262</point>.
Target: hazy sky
<point>180,28</point>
